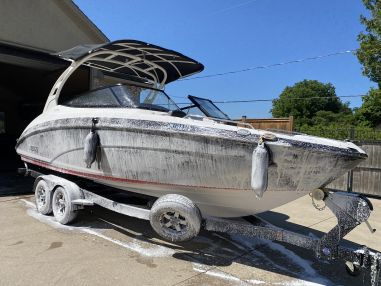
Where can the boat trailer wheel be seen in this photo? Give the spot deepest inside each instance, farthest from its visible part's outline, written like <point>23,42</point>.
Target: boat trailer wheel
<point>62,206</point>
<point>175,218</point>
<point>60,203</point>
<point>43,198</point>
<point>173,221</point>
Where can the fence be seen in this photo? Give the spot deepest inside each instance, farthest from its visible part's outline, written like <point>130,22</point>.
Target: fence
<point>271,123</point>
<point>366,177</point>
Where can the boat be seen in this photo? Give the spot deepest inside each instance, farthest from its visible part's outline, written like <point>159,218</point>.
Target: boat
<point>130,135</point>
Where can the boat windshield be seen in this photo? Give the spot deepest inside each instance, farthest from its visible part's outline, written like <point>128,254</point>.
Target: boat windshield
<point>208,107</point>
<point>132,96</point>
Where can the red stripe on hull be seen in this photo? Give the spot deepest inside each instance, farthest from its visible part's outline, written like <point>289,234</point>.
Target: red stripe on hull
<point>109,178</point>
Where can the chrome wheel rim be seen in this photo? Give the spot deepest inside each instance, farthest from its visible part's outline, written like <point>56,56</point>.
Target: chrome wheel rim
<point>41,197</point>
<point>60,204</point>
<point>174,222</point>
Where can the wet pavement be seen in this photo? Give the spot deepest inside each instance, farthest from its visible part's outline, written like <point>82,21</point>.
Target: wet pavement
<point>105,248</point>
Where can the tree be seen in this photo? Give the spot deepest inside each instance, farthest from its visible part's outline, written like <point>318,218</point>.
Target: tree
<point>369,114</point>
<point>334,120</point>
<point>369,53</point>
<point>305,99</point>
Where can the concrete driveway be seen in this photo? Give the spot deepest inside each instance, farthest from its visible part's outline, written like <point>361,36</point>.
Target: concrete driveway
<point>105,248</point>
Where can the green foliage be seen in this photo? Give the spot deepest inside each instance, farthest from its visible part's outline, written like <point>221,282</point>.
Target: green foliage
<point>369,114</point>
<point>329,118</point>
<point>369,53</point>
<point>338,132</point>
<point>305,99</point>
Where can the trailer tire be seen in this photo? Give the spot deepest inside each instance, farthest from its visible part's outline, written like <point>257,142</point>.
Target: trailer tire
<point>43,198</point>
<point>175,218</point>
<point>62,206</point>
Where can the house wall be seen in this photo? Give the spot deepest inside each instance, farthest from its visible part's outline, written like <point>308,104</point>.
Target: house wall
<point>47,25</point>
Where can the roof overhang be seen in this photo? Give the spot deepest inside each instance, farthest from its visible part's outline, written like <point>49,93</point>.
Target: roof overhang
<point>29,58</point>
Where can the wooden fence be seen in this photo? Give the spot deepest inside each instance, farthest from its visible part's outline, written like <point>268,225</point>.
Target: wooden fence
<point>271,123</point>
<point>365,178</point>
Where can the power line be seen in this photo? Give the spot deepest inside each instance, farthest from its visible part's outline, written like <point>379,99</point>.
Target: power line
<point>271,65</point>
<point>272,99</point>
<point>294,98</point>
<point>231,7</point>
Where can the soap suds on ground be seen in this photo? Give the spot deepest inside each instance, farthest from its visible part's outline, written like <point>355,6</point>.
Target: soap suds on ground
<point>141,247</point>
<point>147,249</point>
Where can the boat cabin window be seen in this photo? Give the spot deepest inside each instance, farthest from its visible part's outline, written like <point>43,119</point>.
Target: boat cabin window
<point>96,98</point>
<point>132,96</point>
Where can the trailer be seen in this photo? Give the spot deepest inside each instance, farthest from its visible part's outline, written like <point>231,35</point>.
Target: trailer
<point>176,218</point>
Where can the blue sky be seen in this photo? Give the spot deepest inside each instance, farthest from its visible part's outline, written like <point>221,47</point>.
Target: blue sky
<point>228,35</point>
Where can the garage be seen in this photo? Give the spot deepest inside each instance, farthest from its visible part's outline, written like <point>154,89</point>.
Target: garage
<point>29,66</point>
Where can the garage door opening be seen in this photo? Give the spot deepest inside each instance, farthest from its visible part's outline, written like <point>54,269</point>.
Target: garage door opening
<point>2,122</point>
<point>25,82</point>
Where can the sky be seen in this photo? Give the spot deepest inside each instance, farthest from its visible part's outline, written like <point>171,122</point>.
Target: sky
<point>229,35</point>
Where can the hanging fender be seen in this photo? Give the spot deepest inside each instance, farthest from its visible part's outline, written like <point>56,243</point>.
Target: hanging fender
<point>259,168</point>
<point>91,144</point>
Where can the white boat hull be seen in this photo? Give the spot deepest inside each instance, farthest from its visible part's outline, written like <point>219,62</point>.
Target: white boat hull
<point>207,162</point>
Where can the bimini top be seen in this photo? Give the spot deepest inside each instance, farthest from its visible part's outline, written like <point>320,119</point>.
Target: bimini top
<point>135,58</point>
